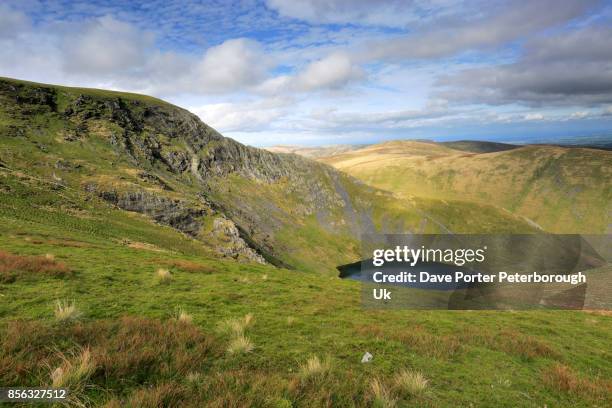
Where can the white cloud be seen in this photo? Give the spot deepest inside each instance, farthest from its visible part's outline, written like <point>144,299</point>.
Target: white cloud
<point>243,116</point>
<point>533,116</point>
<point>569,68</point>
<point>579,115</point>
<point>331,72</point>
<point>275,85</point>
<point>314,80</point>
<point>110,53</point>
<point>515,21</point>
<point>390,13</point>
<point>232,65</point>
<point>106,46</point>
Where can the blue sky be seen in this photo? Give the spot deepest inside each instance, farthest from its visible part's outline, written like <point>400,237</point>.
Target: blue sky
<point>319,72</point>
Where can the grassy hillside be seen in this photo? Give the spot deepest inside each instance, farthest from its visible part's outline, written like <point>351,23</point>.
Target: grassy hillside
<point>143,341</point>
<point>144,155</point>
<point>475,146</point>
<point>131,238</point>
<point>559,189</point>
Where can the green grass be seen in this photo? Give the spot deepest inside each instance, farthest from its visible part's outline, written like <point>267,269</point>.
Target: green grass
<point>464,355</point>
<point>126,346</point>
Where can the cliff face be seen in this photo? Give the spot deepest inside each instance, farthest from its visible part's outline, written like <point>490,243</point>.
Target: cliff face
<point>144,155</point>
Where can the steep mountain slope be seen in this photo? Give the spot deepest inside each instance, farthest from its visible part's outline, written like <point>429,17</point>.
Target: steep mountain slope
<point>561,189</point>
<point>143,155</point>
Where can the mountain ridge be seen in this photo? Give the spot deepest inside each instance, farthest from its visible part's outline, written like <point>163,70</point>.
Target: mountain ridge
<point>561,189</point>
<point>147,156</point>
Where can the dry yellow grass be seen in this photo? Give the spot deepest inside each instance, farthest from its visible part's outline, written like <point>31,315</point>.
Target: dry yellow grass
<point>240,344</point>
<point>381,396</point>
<point>183,317</point>
<point>189,266</point>
<point>163,275</point>
<point>315,367</point>
<point>236,326</point>
<point>409,382</point>
<point>73,371</point>
<point>65,311</point>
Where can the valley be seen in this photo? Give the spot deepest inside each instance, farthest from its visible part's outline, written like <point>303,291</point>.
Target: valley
<point>146,261</point>
<point>556,189</point>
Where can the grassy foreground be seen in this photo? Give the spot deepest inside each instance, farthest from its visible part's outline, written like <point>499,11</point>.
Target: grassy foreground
<point>214,332</point>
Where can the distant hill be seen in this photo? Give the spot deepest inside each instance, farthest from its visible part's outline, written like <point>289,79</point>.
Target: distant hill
<point>314,152</point>
<point>560,189</point>
<point>476,146</point>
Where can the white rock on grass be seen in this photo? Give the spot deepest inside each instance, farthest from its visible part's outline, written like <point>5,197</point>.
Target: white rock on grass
<point>367,357</point>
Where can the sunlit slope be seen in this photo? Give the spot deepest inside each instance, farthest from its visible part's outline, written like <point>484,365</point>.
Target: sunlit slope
<point>560,189</point>
<point>145,156</point>
<point>142,355</point>
<point>99,191</point>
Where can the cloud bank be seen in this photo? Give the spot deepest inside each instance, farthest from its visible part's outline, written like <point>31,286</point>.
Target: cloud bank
<point>333,69</point>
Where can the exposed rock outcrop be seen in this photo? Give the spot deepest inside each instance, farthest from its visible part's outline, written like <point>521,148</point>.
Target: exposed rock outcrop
<point>174,213</point>
<point>235,246</point>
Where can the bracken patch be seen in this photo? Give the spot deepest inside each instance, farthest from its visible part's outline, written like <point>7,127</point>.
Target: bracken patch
<point>126,352</point>
<point>13,267</point>
<point>562,378</point>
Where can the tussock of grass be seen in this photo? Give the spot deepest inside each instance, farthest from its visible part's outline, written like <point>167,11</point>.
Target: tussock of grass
<point>409,382</point>
<point>236,326</point>
<point>232,327</point>
<point>183,317</point>
<point>290,320</point>
<point>193,378</point>
<point>314,367</point>
<point>381,396</point>
<point>65,311</point>
<point>73,371</point>
<point>14,266</point>
<point>240,344</point>
<point>163,276</point>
